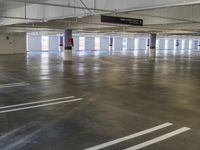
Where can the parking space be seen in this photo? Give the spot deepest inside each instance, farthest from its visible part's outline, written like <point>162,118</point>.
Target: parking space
<point>101,102</point>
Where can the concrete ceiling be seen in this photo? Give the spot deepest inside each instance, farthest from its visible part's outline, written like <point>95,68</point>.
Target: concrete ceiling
<point>164,17</point>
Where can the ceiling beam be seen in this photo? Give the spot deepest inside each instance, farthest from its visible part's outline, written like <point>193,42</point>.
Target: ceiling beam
<point>85,6</point>
<point>21,18</point>
<point>62,5</point>
<point>161,17</point>
<point>197,2</point>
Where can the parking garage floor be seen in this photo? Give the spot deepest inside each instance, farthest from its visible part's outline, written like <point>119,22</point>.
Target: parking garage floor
<point>103,100</point>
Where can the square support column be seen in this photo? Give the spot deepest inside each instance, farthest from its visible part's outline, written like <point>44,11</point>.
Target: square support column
<point>67,55</point>
<point>152,48</point>
<point>61,41</point>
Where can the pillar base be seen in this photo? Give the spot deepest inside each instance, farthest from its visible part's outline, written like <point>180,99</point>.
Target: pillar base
<point>67,55</point>
<point>152,52</point>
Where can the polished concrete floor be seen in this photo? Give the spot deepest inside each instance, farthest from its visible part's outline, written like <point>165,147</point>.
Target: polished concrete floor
<point>122,93</point>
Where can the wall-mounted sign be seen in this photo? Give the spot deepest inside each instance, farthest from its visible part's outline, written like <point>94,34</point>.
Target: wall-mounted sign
<point>121,20</point>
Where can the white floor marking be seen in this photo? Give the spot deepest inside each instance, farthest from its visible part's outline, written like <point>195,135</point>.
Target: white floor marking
<point>37,102</point>
<point>130,136</point>
<point>42,105</point>
<point>13,85</point>
<point>159,139</point>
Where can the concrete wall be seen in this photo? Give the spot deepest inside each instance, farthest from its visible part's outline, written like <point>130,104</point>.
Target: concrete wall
<point>139,43</point>
<point>118,44</point>
<point>142,44</point>
<point>180,43</point>
<point>170,44</point>
<point>89,43</point>
<point>53,43</point>
<point>131,44</point>
<point>76,43</point>
<point>34,43</point>
<point>186,44</point>
<point>195,44</point>
<point>104,43</point>
<point>161,45</point>
<point>12,43</point>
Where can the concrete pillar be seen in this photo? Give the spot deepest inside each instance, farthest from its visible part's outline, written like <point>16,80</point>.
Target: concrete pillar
<point>148,42</point>
<point>61,45</point>
<point>177,44</point>
<point>67,55</point>
<point>152,48</point>
<point>198,44</point>
<point>111,43</point>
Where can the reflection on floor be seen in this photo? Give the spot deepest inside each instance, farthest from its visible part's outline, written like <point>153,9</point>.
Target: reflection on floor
<point>112,95</point>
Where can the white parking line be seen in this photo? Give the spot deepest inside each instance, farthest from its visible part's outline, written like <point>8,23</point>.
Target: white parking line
<point>10,85</point>
<point>130,137</point>
<point>37,102</point>
<point>159,139</point>
<point>42,105</point>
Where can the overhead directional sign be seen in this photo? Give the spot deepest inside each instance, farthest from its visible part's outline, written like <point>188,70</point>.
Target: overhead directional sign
<point>121,20</point>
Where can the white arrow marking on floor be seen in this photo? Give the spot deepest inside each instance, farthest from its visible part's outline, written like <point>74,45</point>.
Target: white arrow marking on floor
<point>37,102</point>
<point>130,136</point>
<point>159,139</point>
